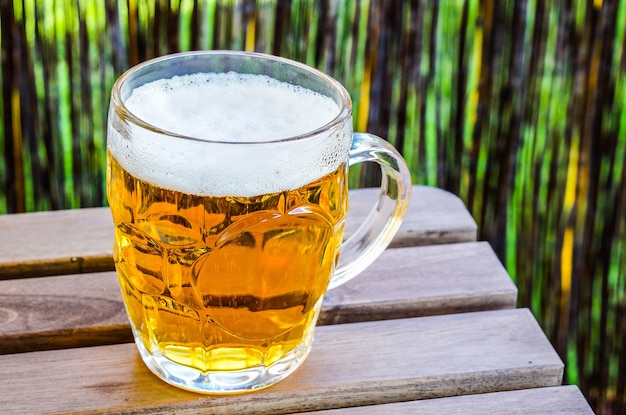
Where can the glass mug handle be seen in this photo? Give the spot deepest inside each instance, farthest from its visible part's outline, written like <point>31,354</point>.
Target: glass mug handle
<point>383,221</point>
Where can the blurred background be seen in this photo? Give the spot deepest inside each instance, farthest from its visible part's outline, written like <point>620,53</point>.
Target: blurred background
<point>517,106</point>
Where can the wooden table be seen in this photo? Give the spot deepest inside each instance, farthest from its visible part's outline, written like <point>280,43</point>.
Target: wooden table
<point>431,327</point>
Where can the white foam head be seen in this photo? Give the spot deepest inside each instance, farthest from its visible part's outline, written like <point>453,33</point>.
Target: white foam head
<point>228,134</point>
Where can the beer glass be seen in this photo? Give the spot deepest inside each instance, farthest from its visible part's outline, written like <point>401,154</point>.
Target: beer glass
<point>227,179</point>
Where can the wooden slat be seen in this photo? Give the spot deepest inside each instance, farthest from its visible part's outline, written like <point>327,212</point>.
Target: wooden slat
<point>434,216</point>
<point>421,281</point>
<point>557,400</point>
<point>81,240</point>
<point>57,242</point>
<point>85,310</point>
<point>351,364</point>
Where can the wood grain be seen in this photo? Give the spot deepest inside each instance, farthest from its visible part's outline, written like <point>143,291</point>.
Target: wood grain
<point>557,400</point>
<point>350,365</point>
<point>81,240</point>
<point>86,310</point>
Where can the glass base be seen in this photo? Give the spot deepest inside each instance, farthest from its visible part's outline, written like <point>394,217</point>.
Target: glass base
<point>222,382</point>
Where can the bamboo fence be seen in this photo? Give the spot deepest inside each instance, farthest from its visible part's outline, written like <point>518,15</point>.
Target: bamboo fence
<point>516,106</point>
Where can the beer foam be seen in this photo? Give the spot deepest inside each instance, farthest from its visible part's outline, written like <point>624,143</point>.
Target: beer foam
<point>231,107</point>
<point>254,111</point>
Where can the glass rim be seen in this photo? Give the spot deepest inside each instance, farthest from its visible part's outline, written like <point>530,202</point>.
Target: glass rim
<point>345,110</point>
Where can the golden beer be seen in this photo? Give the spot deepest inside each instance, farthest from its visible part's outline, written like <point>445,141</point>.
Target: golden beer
<point>227,182</point>
<point>225,283</point>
